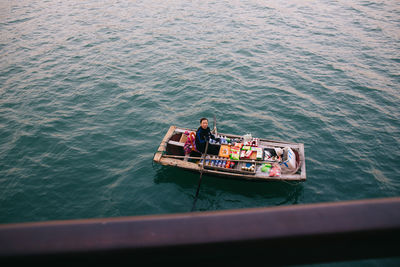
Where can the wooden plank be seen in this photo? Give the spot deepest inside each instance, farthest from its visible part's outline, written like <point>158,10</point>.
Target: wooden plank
<point>229,170</point>
<point>234,160</point>
<point>162,147</point>
<point>279,144</point>
<point>294,177</point>
<point>176,143</point>
<point>195,167</point>
<point>182,130</point>
<point>179,163</point>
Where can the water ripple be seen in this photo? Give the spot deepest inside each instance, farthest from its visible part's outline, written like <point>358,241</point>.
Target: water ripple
<point>88,90</point>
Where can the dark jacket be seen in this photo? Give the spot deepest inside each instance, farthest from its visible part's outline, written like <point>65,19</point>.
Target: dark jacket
<point>202,136</point>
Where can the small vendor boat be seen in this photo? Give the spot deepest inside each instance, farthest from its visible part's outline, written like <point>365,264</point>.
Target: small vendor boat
<point>234,156</point>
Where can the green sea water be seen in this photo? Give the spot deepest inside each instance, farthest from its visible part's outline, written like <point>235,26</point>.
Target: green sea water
<point>88,90</point>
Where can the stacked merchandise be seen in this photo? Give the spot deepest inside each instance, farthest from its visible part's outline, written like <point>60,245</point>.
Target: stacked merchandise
<point>233,152</point>
<point>221,162</point>
<point>251,150</point>
<point>268,169</point>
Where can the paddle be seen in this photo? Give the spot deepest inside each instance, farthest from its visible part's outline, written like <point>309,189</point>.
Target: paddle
<point>201,175</point>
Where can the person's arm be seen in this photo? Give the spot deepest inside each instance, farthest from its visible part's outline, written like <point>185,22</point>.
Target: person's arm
<point>213,137</point>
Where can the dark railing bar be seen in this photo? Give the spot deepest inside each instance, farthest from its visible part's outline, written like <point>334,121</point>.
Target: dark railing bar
<point>283,235</point>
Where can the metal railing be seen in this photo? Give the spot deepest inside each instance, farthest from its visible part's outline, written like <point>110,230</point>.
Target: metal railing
<point>283,235</point>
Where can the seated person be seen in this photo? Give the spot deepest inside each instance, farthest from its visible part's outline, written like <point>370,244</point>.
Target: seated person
<point>203,135</point>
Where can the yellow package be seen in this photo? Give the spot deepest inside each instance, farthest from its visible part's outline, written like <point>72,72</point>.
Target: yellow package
<point>224,151</point>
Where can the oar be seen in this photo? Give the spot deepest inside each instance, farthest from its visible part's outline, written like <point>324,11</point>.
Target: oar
<point>201,175</point>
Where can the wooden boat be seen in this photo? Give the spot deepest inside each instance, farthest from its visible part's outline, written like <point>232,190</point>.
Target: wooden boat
<point>171,153</point>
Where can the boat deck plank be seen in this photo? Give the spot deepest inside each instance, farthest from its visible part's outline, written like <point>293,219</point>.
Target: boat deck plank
<point>162,148</point>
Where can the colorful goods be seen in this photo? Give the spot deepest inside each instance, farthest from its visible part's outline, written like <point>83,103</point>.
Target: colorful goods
<point>190,144</point>
<point>239,145</point>
<point>259,152</point>
<point>235,153</point>
<point>224,151</point>
<point>266,167</point>
<point>245,154</point>
<point>248,167</point>
<point>275,171</point>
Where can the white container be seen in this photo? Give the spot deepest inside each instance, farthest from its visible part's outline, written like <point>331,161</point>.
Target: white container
<point>289,160</point>
<point>247,138</point>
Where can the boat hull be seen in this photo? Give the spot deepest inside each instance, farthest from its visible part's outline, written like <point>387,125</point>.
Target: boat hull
<point>170,153</point>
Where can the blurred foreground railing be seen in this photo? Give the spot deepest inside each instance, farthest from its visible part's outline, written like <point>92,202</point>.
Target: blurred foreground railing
<point>285,235</point>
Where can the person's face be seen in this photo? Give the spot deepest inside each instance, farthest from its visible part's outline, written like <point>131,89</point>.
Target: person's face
<point>204,124</point>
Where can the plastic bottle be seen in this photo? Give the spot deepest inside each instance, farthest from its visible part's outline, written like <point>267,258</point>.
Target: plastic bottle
<point>208,160</point>
<point>228,164</point>
<point>219,163</point>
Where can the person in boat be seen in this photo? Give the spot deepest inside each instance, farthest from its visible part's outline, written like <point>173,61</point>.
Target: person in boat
<point>203,135</point>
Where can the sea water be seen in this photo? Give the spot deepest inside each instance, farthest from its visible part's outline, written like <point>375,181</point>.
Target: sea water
<point>88,89</point>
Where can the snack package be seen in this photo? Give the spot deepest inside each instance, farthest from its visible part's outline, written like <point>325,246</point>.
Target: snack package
<point>224,151</point>
<point>248,154</point>
<point>235,153</point>
<point>245,154</point>
<point>239,145</point>
<point>259,151</point>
